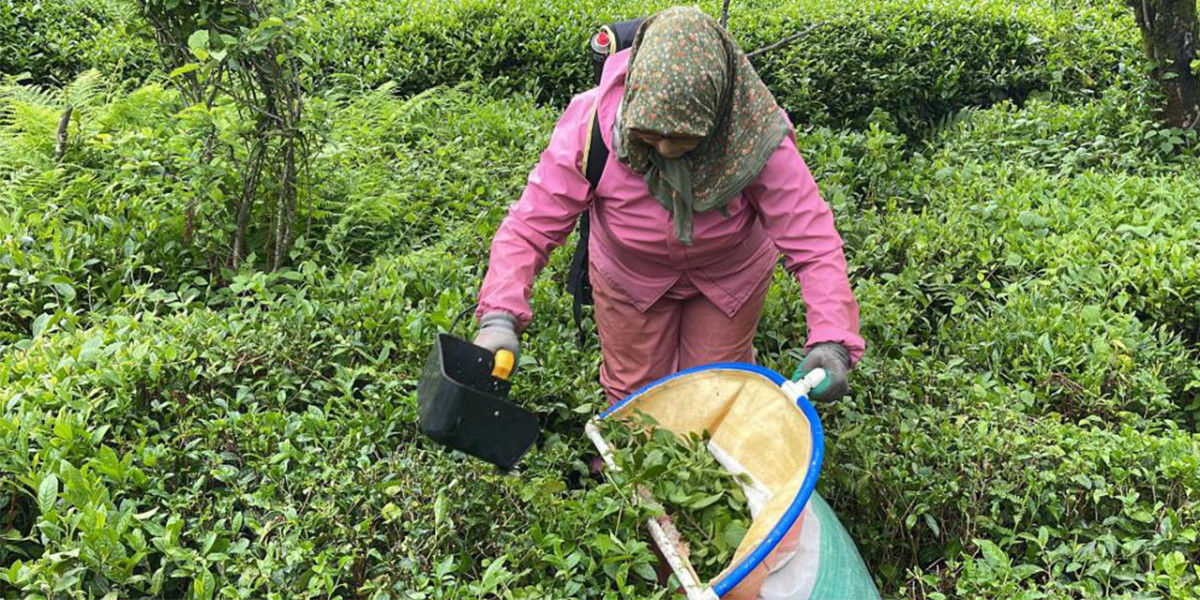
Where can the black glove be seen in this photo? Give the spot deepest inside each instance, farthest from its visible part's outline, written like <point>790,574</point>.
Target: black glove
<point>835,359</point>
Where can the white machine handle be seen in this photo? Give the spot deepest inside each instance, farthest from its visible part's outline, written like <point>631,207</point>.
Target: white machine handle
<point>800,389</point>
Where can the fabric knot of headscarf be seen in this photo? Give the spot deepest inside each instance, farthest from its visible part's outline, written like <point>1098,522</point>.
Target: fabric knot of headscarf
<point>687,77</point>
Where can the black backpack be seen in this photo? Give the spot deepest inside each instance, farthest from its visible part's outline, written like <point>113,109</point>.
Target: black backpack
<point>609,40</point>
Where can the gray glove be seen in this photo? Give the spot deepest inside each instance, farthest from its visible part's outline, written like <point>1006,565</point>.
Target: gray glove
<point>498,331</point>
<point>835,359</point>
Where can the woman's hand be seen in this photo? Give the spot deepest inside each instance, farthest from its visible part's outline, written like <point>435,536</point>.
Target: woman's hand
<point>835,359</point>
<point>498,331</point>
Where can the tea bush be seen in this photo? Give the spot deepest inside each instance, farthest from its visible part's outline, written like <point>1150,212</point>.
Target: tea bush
<point>56,41</point>
<point>75,234</point>
<point>394,176</point>
<point>1113,133</point>
<point>1018,302</point>
<point>204,452</point>
<point>916,62</point>
<point>917,66</point>
<point>1072,509</point>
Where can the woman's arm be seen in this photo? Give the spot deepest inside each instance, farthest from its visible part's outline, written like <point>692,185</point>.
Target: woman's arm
<point>801,225</point>
<point>555,195</point>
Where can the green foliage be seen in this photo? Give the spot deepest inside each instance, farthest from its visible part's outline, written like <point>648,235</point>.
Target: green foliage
<point>914,62</point>
<point>256,444</point>
<point>1023,424</point>
<point>1116,132</point>
<point>699,497</point>
<point>917,66</point>
<point>395,175</point>
<point>527,45</point>
<point>399,174</point>
<point>1024,420</point>
<point>77,234</point>
<point>251,54</point>
<point>55,41</point>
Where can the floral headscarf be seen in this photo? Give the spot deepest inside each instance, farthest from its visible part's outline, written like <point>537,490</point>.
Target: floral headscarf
<point>688,77</point>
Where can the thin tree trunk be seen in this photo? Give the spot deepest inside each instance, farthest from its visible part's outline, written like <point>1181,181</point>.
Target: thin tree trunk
<point>243,222</point>
<point>189,211</point>
<point>287,111</point>
<point>250,186</point>
<point>1169,32</point>
<point>285,210</point>
<point>64,124</point>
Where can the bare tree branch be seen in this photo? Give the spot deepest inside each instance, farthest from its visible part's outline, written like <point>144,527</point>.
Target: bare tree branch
<point>785,41</point>
<point>725,14</point>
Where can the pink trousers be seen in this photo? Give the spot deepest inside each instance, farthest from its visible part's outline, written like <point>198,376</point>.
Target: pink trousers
<point>682,330</point>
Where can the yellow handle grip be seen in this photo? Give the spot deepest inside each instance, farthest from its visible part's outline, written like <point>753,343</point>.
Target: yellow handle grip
<point>504,364</point>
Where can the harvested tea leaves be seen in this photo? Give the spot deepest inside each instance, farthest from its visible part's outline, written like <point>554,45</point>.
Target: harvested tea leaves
<point>703,501</point>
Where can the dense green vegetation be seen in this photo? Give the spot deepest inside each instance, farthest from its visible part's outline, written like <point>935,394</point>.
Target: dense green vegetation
<point>55,41</point>
<point>1023,239</point>
<point>685,486</point>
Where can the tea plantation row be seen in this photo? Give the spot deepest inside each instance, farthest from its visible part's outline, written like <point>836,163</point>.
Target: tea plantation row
<point>915,62</point>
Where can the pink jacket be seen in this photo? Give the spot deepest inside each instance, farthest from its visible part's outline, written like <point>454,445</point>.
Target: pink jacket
<point>633,245</point>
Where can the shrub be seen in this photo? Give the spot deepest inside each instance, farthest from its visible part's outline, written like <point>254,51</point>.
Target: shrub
<point>76,234</point>
<point>392,175</point>
<point>915,62</point>
<point>275,452</point>
<point>918,62</point>
<point>917,65</point>
<point>56,41</point>
<point>399,174</point>
<point>988,500</point>
<point>1116,132</point>
<point>1030,379</point>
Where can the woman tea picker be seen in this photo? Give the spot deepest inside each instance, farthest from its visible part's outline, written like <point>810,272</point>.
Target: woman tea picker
<point>704,189</point>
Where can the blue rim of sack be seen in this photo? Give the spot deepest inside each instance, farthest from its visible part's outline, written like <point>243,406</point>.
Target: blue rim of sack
<point>768,544</point>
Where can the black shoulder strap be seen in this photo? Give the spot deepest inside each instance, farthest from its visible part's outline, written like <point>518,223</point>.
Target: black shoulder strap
<point>626,31</point>
<point>597,153</point>
<point>617,37</point>
<point>608,41</point>
<point>578,279</point>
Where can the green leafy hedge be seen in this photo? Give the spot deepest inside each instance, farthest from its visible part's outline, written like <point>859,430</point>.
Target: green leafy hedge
<point>1116,132</point>
<point>915,62</point>
<point>274,453</point>
<point>917,66</point>
<point>77,236</point>
<point>55,41</point>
